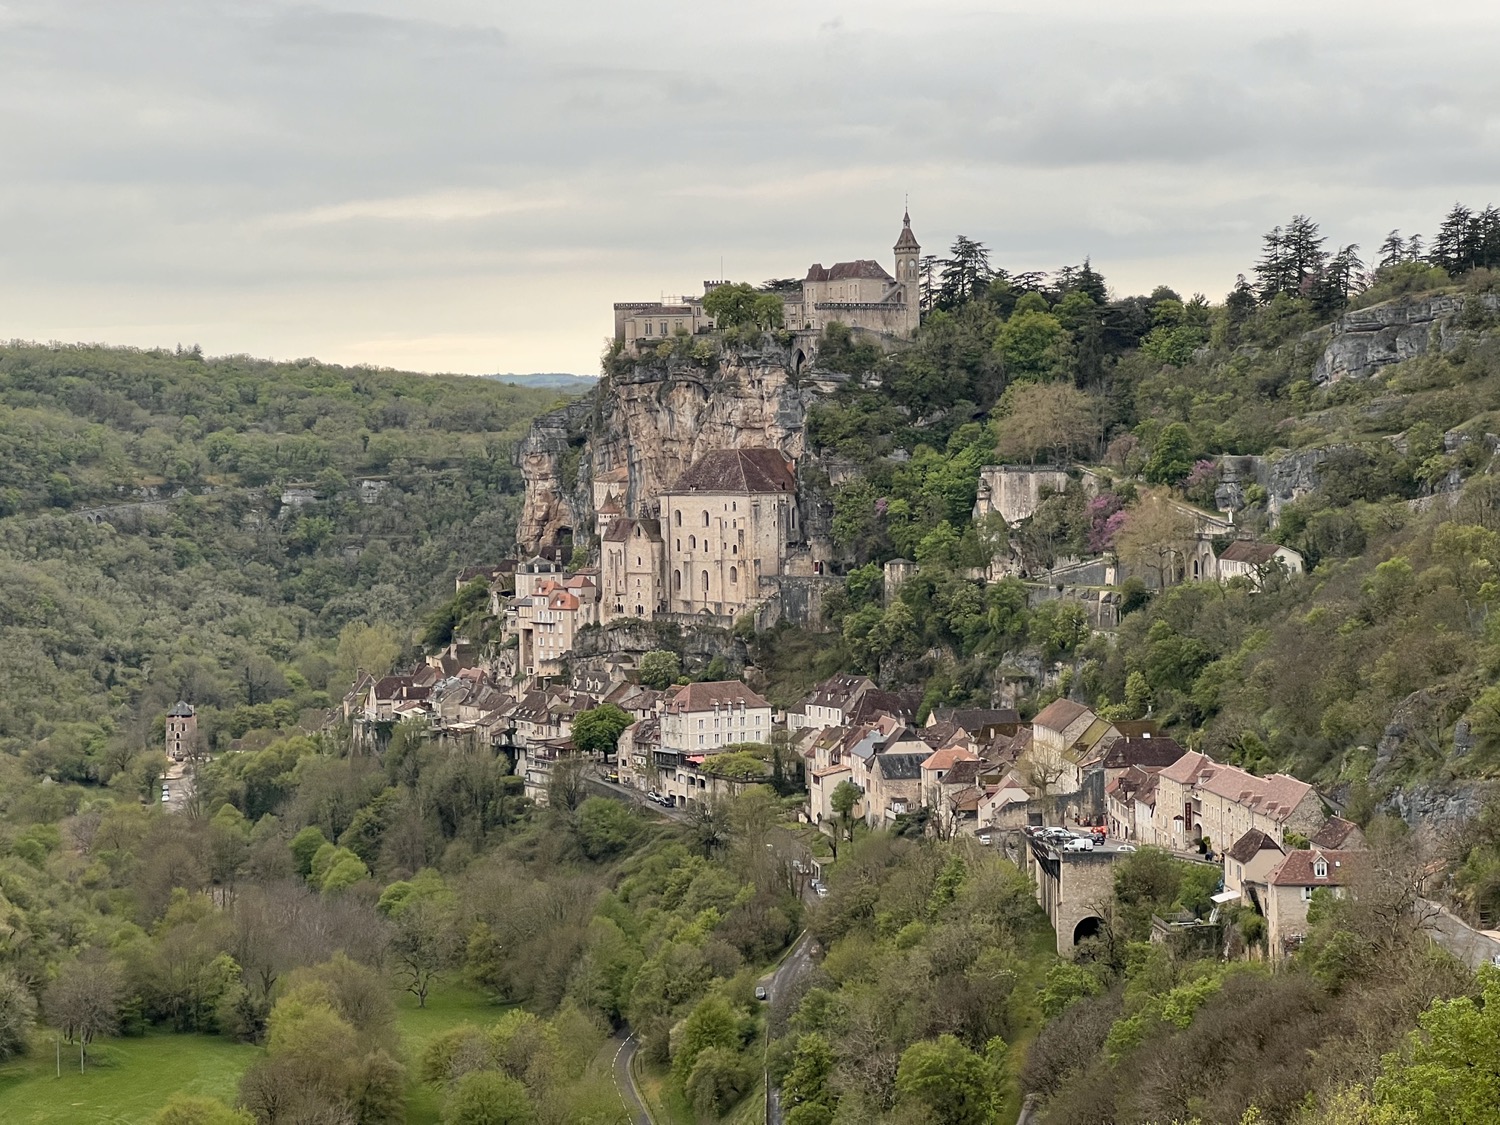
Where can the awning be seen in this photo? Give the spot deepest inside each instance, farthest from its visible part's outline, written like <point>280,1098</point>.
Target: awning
<point>1225,896</point>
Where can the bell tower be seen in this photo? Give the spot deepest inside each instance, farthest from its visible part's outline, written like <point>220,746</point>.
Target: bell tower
<point>908,273</point>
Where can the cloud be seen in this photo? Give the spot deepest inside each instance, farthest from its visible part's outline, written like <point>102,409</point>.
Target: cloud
<point>302,178</point>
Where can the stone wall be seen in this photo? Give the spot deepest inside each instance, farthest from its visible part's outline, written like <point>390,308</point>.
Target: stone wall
<point>1015,491</point>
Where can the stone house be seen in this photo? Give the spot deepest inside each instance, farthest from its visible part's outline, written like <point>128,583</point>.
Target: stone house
<point>1338,834</point>
<point>1251,859</point>
<point>1244,558</point>
<point>830,704</point>
<point>982,723</point>
<point>635,754</point>
<point>697,718</point>
<point>1288,891</point>
<point>938,789</point>
<point>1067,739</point>
<point>1149,752</point>
<point>895,786</point>
<point>729,521</point>
<point>548,619</point>
<point>1199,798</point>
<point>1130,802</point>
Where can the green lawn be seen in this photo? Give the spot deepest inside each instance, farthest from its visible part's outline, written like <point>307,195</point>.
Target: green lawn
<point>127,1080</point>
<point>447,1004</point>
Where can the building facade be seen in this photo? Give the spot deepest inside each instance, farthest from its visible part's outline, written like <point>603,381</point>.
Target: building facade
<point>632,562</point>
<point>182,732</point>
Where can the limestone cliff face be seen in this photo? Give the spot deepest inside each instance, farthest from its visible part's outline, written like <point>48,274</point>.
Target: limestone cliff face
<point>641,427</point>
<point>1363,341</point>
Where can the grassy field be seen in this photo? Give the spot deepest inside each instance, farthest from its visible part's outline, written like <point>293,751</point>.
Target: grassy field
<point>128,1080</point>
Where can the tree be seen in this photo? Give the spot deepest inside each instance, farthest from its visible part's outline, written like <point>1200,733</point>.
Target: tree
<point>1054,419</point>
<point>842,800</point>
<point>1392,250</point>
<point>305,845</point>
<point>17,1015</point>
<point>660,669</point>
<point>1033,343</point>
<point>964,273</point>
<point>740,304</point>
<point>1156,534</point>
<point>598,730</point>
<point>948,1080</point>
<point>805,1091</point>
<point>84,1000</point>
<point>1173,455</point>
<point>1449,1070</point>
<point>565,787</point>
<point>366,648</point>
<point>425,942</point>
<point>485,1097</point>
<point>605,827</point>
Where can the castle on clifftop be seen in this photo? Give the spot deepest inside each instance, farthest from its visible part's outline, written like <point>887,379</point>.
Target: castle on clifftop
<point>859,294</point>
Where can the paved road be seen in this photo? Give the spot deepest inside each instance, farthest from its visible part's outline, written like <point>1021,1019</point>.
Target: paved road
<point>1472,947</point>
<point>630,1097</point>
<point>796,963</point>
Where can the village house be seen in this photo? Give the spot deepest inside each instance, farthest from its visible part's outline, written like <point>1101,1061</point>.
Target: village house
<point>696,718</point>
<point>935,770</point>
<point>1288,891</point>
<point>1130,805</point>
<point>830,704</point>
<point>181,730</point>
<point>981,723</point>
<point>635,753</point>
<point>1243,558</point>
<point>1251,859</point>
<point>547,620</point>
<point>1067,739</point>
<point>1149,752</point>
<point>1200,799</point>
<point>894,785</point>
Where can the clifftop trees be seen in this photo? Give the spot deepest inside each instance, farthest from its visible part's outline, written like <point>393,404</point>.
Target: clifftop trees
<point>741,305</point>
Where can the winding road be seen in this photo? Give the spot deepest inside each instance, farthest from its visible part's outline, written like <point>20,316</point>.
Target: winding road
<point>630,1097</point>
<point>797,962</point>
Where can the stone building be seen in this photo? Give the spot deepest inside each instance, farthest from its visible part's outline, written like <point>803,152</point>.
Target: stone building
<point>860,294</point>
<point>728,521</point>
<point>631,567</point>
<point>710,716</point>
<point>1199,798</point>
<point>547,621</point>
<point>182,732</point>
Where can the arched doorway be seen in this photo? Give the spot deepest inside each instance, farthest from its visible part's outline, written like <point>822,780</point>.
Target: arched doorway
<point>798,359</point>
<point>1088,928</point>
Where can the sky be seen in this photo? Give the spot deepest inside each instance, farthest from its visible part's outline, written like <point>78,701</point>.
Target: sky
<point>467,186</point>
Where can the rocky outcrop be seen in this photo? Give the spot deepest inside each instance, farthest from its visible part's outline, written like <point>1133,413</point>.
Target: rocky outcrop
<point>644,425</point>
<point>1363,341</point>
<point>549,456</point>
<point>1285,476</point>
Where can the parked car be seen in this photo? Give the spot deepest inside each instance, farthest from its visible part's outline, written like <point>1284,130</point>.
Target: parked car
<point>821,891</point>
<point>1079,844</point>
<point>1125,847</point>
<point>612,777</point>
<point>761,993</point>
<point>985,839</point>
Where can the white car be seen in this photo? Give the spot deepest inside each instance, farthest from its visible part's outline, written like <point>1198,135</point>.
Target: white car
<point>1079,844</point>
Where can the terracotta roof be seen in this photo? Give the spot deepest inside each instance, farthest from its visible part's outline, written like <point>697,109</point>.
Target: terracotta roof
<point>1059,715</point>
<point>948,758</point>
<point>738,470</point>
<point>1150,753</point>
<point>1185,769</point>
<point>862,269</point>
<point>1335,833</point>
<point>561,599</point>
<point>611,506</point>
<point>1248,551</point>
<point>1251,844</point>
<point>705,697</point>
<point>1298,869</point>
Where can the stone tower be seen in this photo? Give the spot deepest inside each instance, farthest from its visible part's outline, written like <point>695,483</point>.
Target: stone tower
<point>182,732</point>
<point>909,273</point>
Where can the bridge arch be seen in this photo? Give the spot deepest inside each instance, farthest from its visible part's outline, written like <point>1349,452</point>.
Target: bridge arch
<point>1086,928</point>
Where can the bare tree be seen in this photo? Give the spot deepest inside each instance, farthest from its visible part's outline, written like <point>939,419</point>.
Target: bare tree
<point>425,943</point>
<point>84,1000</point>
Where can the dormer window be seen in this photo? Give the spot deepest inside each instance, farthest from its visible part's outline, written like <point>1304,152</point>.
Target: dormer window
<point>1320,868</point>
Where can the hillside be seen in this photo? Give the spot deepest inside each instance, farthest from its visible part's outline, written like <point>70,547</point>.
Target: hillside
<point>174,526</point>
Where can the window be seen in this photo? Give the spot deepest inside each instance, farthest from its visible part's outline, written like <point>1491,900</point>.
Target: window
<point>648,328</point>
<point>692,542</point>
<point>677,576</point>
<point>734,575</point>
<point>664,328</point>
<point>705,517</point>
<point>678,515</point>
<point>705,583</point>
<point>1320,868</point>
<point>1307,894</point>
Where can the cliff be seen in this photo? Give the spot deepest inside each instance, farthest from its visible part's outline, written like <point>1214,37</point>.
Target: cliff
<point>1362,341</point>
<point>643,425</point>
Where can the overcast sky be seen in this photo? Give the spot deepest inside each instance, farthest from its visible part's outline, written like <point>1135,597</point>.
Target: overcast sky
<point>457,185</point>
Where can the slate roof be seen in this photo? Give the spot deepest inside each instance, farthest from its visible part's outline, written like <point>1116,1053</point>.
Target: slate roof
<point>180,711</point>
<point>1149,753</point>
<point>871,705</point>
<point>907,240</point>
<point>620,530</point>
<point>838,691</point>
<point>965,772</point>
<point>1251,844</point>
<point>900,767</point>
<point>977,720</point>
<point>861,269</point>
<point>738,470</point>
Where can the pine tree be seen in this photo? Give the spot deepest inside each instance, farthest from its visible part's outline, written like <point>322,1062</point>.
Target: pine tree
<point>964,273</point>
<point>927,292</point>
<point>1304,252</point>
<point>1392,250</point>
<point>1453,247</point>
<point>1272,270</point>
